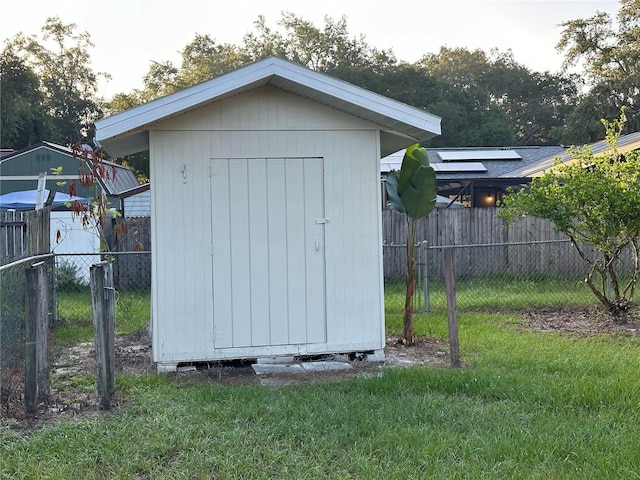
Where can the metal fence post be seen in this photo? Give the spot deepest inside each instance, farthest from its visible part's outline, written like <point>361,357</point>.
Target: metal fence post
<point>103,300</point>
<point>425,274</point>
<point>454,342</point>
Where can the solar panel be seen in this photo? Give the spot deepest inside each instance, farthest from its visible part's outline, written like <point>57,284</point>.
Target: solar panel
<point>386,167</point>
<point>470,155</point>
<point>459,167</point>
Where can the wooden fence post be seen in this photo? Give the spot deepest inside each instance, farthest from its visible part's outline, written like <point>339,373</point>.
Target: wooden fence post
<point>454,342</point>
<point>36,383</point>
<point>38,231</point>
<point>103,301</point>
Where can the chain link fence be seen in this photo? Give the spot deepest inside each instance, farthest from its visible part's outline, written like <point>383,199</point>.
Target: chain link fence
<point>70,315</point>
<point>489,277</point>
<point>14,301</point>
<point>494,276</point>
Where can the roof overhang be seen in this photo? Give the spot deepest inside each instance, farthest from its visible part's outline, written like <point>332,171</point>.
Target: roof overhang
<point>626,143</point>
<point>400,124</point>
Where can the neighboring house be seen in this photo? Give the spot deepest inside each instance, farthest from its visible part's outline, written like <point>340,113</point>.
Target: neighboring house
<point>19,171</point>
<point>476,176</point>
<point>136,202</point>
<point>266,237</point>
<point>626,143</point>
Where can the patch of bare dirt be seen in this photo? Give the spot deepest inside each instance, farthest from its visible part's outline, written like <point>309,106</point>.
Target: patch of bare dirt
<point>582,321</point>
<point>73,392</point>
<point>425,351</point>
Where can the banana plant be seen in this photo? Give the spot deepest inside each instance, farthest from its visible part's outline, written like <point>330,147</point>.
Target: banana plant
<point>412,190</point>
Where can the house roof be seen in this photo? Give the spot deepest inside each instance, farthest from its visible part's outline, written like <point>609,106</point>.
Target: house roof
<point>135,190</point>
<point>626,143</point>
<point>127,132</point>
<point>124,178</point>
<point>470,163</point>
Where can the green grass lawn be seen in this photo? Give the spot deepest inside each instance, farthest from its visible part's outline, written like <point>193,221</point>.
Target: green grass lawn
<point>527,405</point>
<point>75,320</point>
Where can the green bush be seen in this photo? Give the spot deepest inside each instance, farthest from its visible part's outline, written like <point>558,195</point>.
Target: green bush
<point>67,276</point>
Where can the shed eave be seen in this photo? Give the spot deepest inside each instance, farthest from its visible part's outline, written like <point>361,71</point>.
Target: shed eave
<point>114,132</point>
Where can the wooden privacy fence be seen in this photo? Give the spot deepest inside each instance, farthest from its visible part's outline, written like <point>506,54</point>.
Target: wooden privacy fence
<point>133,235</point>
<point>486,245</point>
<point>23,234</point>
<point>13,236</point>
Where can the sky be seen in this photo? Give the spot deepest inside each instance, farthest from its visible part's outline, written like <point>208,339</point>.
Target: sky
<point>131,34</point>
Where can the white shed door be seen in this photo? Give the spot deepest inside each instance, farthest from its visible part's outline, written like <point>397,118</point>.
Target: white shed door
<point>268,251</point>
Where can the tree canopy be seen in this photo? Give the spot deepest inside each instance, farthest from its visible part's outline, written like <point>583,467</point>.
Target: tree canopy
<point>24,121</point>
<point>484,98</point>
<point>610,54</point>
<point>63,92</point>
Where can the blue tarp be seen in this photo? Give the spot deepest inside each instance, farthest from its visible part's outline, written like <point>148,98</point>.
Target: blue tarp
<point>26,200</point>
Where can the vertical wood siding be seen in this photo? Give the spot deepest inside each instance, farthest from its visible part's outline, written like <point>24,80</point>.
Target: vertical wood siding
<point>268,277</point>
<point>264,124</point>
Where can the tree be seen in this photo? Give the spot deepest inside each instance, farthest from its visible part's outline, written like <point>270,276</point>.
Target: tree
<point>328,49</point>
<point>67,82</point>
<point>537,104</point>
<point>610,54</point>
<point>22,119</point>
<point>203,59</point>
<point>138,162</point>
<point>595,201</point>
<point>491,100</point>
<point>483,99</point>
<point>412,191</point>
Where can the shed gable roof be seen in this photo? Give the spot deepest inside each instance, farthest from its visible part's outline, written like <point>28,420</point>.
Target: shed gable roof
<point>401,124</point>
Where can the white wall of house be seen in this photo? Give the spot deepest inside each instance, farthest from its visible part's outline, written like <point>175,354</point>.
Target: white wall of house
<point>68,236</point>
<point>218,266</point>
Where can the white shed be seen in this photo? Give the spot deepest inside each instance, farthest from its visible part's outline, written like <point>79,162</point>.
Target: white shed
<point>266,231</point>
<point>136,202</point>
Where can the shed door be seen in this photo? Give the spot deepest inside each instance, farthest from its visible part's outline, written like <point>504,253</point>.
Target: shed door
<point>268,251</point>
